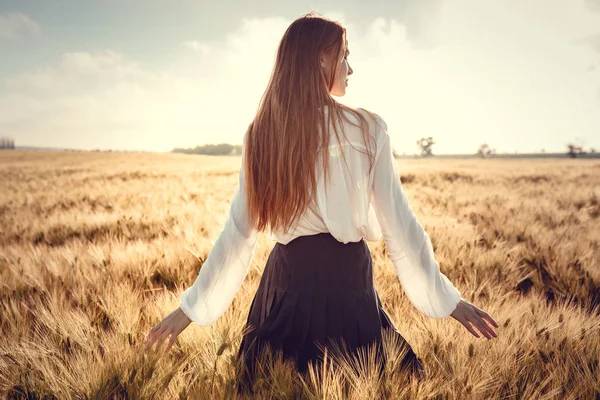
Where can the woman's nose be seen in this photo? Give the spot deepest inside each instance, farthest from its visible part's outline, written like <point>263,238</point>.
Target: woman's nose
<point>350,70</point>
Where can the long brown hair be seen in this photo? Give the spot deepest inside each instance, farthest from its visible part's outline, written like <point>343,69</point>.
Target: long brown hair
<point>283,142</point>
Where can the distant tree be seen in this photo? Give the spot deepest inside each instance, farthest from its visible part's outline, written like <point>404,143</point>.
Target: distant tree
<point>222,149</point>
<point>592,150</point>
<point>7,143</point>
<point>425,145</point>
<point>574,150</point>
<point>543,150</point>
<point>485,151</point>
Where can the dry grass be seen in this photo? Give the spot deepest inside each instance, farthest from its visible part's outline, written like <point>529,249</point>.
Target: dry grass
<point>97,247</point>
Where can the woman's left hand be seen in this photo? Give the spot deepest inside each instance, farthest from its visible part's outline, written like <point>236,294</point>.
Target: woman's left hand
<point>173,324</point>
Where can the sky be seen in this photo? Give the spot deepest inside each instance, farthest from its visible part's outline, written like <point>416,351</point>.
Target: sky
<point>155,74</point>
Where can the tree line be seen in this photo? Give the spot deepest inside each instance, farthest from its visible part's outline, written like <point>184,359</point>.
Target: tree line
<point>485,151</point>
<point>7,143</point>
<point>221,149</point>
<point>425,145</point>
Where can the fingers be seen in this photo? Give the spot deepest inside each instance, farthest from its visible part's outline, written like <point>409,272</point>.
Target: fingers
<point>158,338</point>
<point>161,339</point>
<point>470,328</point>
<point>485,329</point>
<point>482,326</point>
<point>487,317</point>
<point>158,328</point>
<point>171,341</point>
<point>471,317</point>
<point>150,338</point>
<point>482,314</point>
<point>473,320</point>
<point>155,334</point>
<point>158,335</point>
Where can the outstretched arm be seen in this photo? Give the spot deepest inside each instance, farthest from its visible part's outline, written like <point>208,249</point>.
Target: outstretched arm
<point>411,251</point>
<point>409,246</point>
<point>227,265</point>
<point>220,277</point>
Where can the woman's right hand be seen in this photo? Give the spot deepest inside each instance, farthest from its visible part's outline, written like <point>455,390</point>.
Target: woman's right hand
<point>467,314</point>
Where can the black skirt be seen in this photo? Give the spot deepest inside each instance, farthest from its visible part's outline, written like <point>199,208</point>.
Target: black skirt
<point>314,291</point>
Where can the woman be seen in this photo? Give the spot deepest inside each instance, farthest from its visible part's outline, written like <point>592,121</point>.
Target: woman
<point>317,286</point>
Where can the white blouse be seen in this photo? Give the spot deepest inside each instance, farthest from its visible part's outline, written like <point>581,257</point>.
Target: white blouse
<point>355,205</point>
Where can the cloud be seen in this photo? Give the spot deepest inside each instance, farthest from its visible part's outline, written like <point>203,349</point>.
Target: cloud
<point>593,5</point>
<point>16,24</point>
<point>477,82</point>
<point>420,19</point>
<point>109,100</point>
<point>593,41</point>
<point>91,100</point>
<point>197,46</point>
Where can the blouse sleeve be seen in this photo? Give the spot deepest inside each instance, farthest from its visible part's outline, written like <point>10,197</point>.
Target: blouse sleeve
<point>409,246</point>
<point>226,266</point>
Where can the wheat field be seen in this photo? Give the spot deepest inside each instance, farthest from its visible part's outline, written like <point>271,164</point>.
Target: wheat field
<point>95,248</point>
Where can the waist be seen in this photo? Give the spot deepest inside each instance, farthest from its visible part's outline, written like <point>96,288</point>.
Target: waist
<point>320,238</point>
<point>322,261</point>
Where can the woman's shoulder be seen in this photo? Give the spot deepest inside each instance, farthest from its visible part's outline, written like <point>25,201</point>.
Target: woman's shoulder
<point>369,115</point>
<point>372,117</point>
<point>352,116</point>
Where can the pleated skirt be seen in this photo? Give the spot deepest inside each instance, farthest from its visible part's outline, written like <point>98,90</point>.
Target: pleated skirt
<point>316,291</point>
